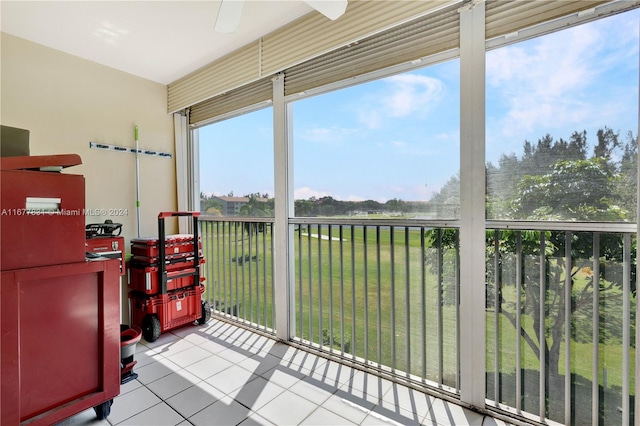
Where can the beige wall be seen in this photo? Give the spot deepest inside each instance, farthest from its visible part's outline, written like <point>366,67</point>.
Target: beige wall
<point>66,102</point>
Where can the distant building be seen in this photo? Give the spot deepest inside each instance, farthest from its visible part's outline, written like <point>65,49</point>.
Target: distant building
<point>231,205</point>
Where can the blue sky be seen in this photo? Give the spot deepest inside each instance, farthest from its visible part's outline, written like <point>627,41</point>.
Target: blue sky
<point>398,137</point>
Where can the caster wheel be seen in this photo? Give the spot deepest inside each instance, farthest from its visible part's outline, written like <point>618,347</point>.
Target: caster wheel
<point>150,328</point>
<point>206,313</point>
<point>103,410</point>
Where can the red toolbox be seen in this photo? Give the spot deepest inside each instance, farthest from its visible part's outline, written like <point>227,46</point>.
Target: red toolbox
<point>110,247</point>
<point>181,265</point>
<point>165,280</point>
<point>172,262</point>
<point>162,312</point>
<point>147,279</point>
<point>104,239</point>
<point>174,244</point>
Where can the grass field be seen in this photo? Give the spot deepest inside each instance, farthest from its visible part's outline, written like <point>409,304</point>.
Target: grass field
<point>371,294</point>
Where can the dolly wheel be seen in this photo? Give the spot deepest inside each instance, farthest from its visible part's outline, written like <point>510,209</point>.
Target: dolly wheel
<point>206,313</point>
<point>103,410</point>
<point>150,328</point>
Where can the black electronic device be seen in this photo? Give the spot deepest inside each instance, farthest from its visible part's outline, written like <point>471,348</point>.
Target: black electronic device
<point>101,230</point>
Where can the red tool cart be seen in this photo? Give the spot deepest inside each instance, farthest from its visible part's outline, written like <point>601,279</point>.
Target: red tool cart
<point>59,312</point>
<point>165,280</point>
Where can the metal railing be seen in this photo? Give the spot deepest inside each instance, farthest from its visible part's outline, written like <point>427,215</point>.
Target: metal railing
<point>239,270</point>
<point>385,295</point>
<point>559,330</point>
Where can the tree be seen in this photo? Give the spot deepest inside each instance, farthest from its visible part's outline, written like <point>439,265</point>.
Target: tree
<point>571,190</point>
<point>447,200</point>
<point>304,208</point>
<point>607,143</point>
<point>629,177</point>
<point>210,205</point>
<point>257,206</point>
<point>565,185</point>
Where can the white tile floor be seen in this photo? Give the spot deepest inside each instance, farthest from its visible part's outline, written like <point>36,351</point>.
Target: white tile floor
<point>220,374</point>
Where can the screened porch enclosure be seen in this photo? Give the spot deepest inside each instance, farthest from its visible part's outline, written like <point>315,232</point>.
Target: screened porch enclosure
<point>385,298</point>
<point>507,282</point>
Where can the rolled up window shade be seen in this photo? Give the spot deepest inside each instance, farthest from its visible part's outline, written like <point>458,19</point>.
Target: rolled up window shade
<point>242,97</point>
<point>415,39</point>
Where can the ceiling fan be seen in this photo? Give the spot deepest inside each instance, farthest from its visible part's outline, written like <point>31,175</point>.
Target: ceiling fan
<point>230,12</point>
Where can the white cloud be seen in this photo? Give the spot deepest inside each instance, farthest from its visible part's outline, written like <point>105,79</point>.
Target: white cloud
<point>402,96</point>
<point>411,93</point>
<point>371,118</point>
<point>552,82</point>
<point>305,193</point>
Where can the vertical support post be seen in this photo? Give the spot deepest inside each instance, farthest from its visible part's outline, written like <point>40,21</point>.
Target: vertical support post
<point>320,311</point>
<point>440,306</point>
<point>542,331</point>
<point>283,235</point>
<point>193,142</point>
<point>300,293</point>
<point>181,130</point>
<point>518,330</point>
<point>472,205</point>
<point>378,298</point>
<point>341,246</point>
<point>636,410</point>
<point>392,245</point>
<point>310,272</point>
<point>626,327</point>
<point>354,349</point>
<point>366,293</point>
<point>135,132</point>
<point>423,302</point>
<point>496,317</point>
<point>568,289</point>
<point>595,336</point>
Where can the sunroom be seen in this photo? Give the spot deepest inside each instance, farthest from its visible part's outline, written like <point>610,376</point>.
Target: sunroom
<point>438,194</point>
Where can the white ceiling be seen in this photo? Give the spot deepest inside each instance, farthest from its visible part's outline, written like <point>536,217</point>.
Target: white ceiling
<point>158,40</point>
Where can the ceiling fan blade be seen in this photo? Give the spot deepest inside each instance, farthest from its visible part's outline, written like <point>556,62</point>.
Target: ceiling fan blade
<point>229,15</point>
<point>332,9</point>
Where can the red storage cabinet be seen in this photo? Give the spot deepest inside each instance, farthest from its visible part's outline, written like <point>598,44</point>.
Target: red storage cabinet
<point>60,341</point>
<point>59,313</point>
<point>43,210</point>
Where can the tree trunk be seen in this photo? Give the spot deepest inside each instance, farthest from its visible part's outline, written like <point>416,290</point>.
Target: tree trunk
<point>554,383</point>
